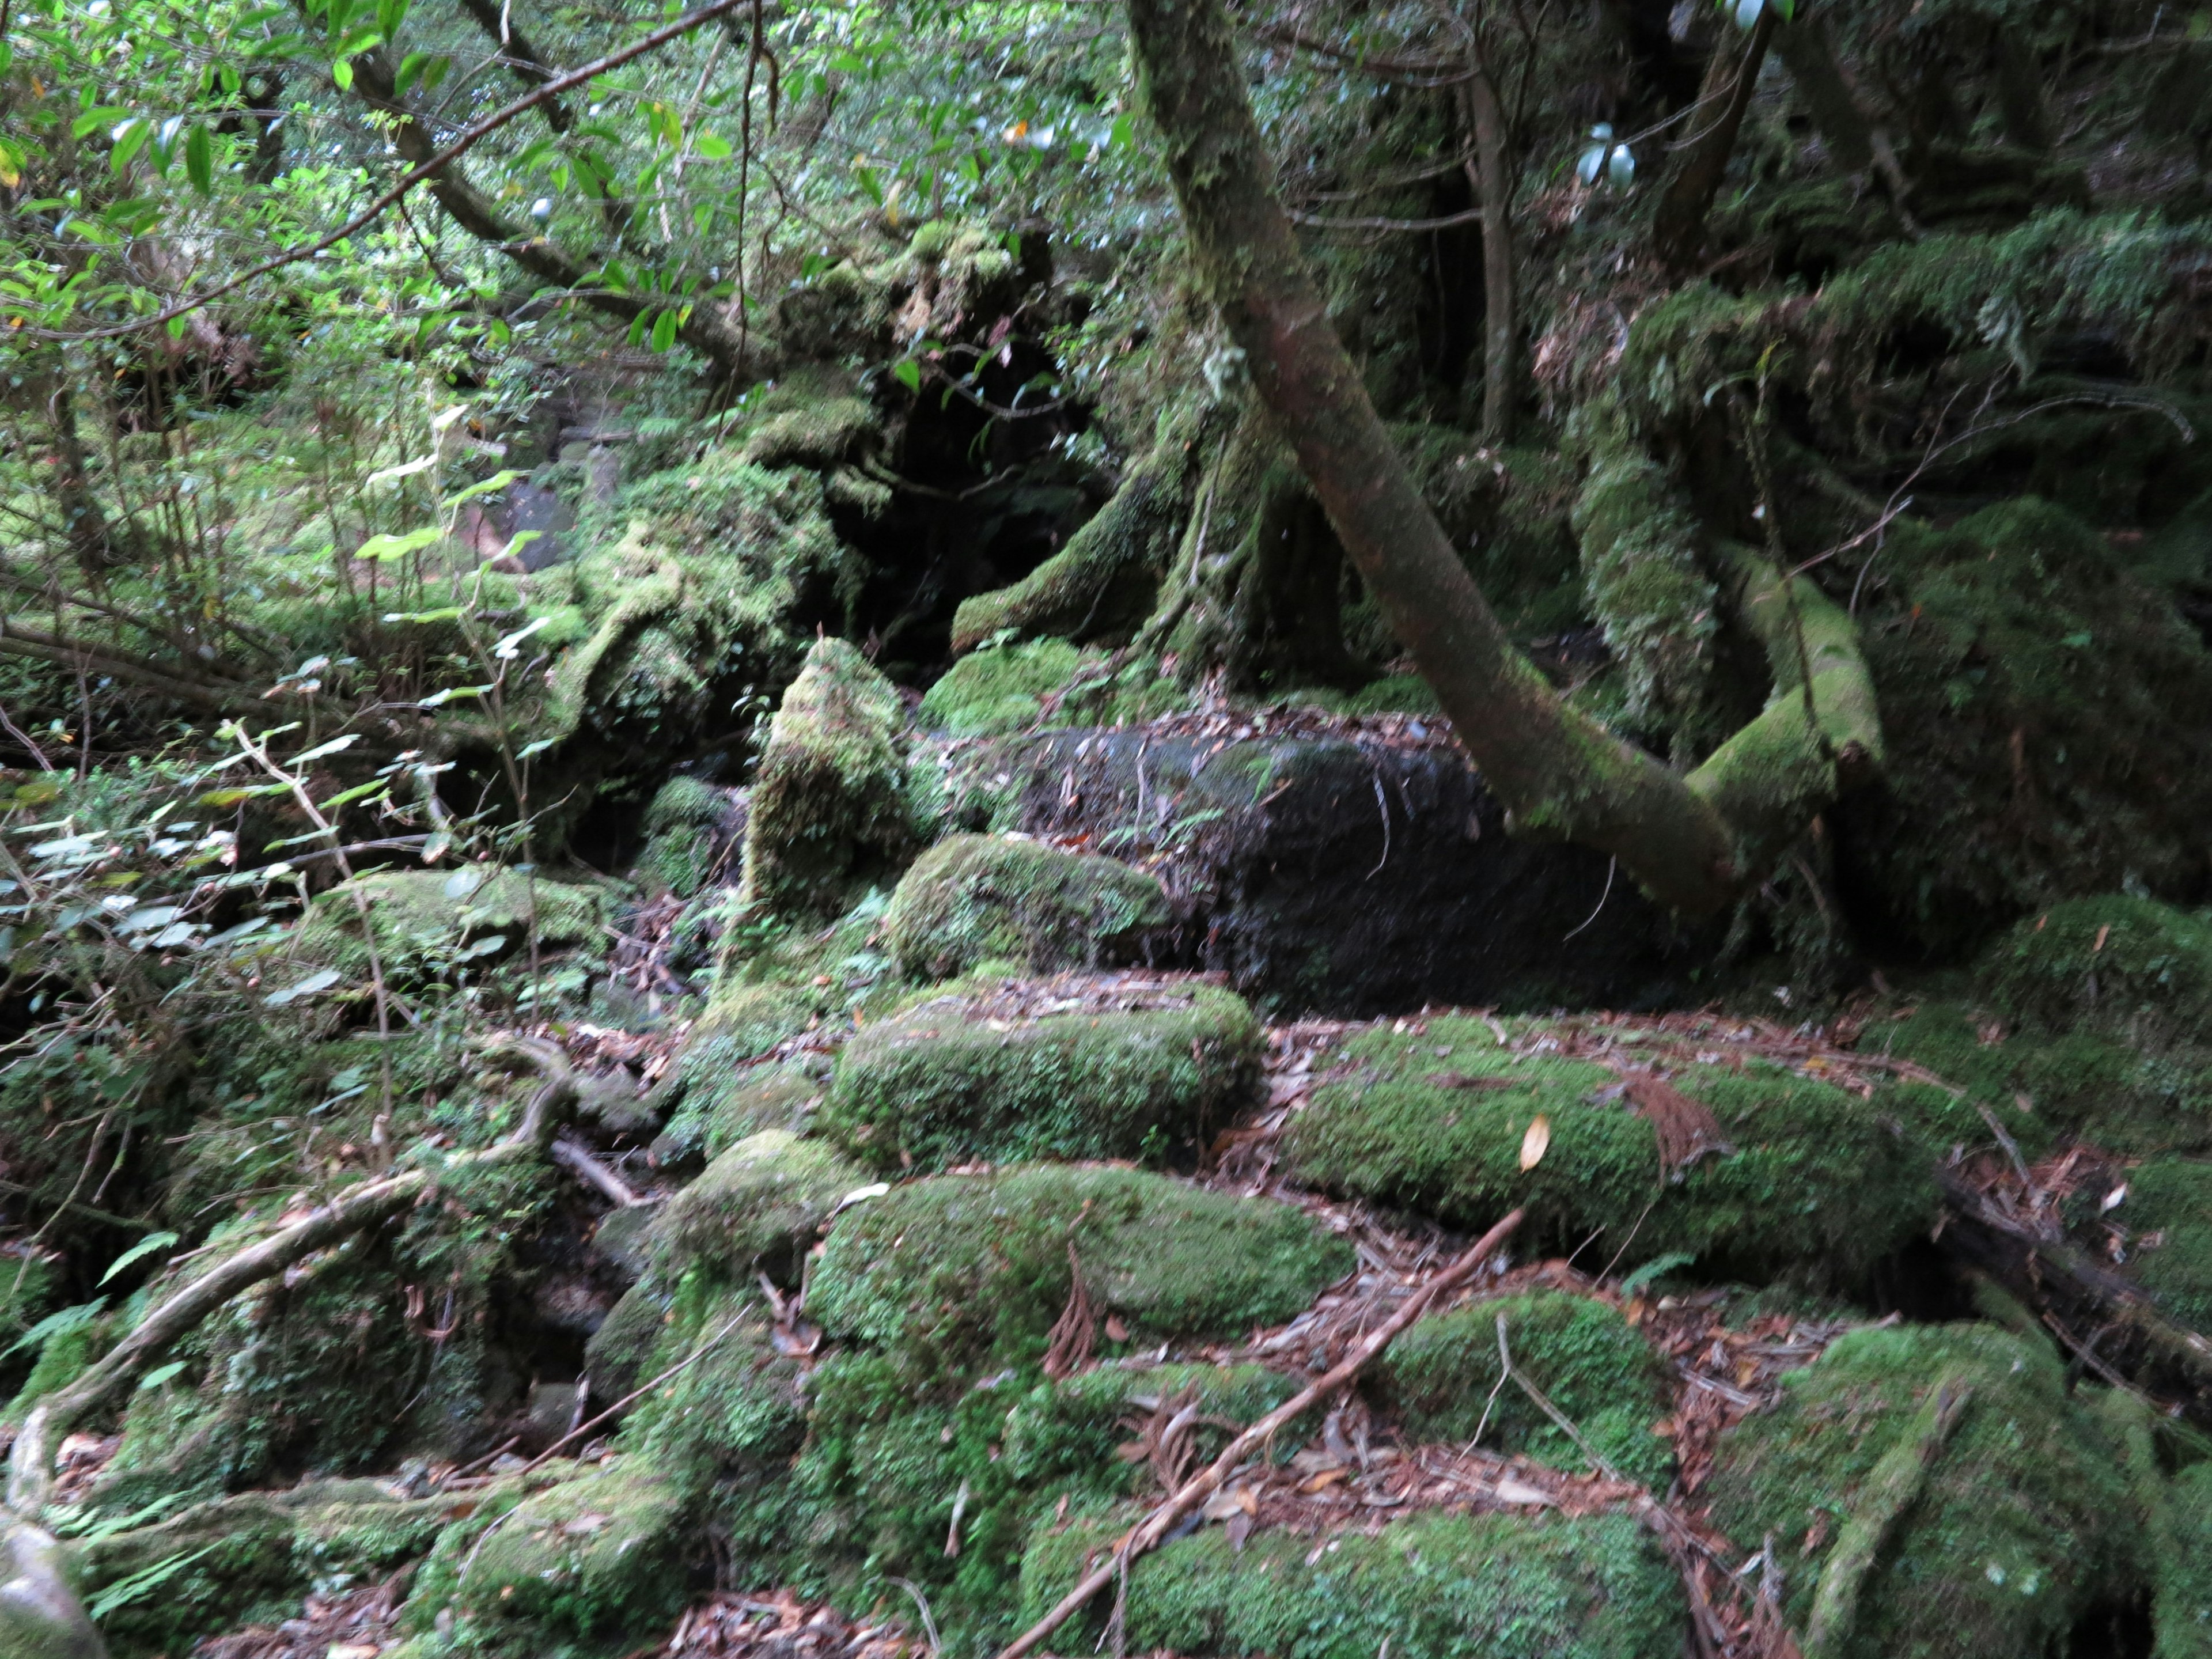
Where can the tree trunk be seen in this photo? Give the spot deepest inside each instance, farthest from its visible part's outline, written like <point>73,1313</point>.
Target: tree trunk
<point>1491,175</point>
<point>1679,228</point>
<point>1557,771</point>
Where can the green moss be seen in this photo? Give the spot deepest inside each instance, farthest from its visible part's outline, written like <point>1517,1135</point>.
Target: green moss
<point>2130,967</point>
<point>1002,689</point>
<point>762,1199</point>
<point>1434,1587</point>
<point>603,1553</point>
<point>1819,1181</point>
<point>689,829</point>
<point>1442,1377</point>
<point>2043,1086</point>
<point>880,1477</point>
<point>725,1100</point>
<point>2054,750</point>
<point>958,1274</point>
<point>427,921</point>
<point>736,1408</point>
<point>829,811</point>
<point>2170,1201</point>
<point>812,418</point>
<point>971,898</point>
<point>2185,1605</point>
<point>2024,1522</point>
<point>1400,694</point>
<point>1071,1068</point>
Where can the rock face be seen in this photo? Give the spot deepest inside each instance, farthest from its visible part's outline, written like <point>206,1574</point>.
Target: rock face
<point>1353,878</point>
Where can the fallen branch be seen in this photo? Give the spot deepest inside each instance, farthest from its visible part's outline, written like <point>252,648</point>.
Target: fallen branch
<point>1892,1487</point>
<point>1194,1492</point>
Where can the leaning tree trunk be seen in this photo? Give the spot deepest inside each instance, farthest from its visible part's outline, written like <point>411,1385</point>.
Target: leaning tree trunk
<point>1557,771</point>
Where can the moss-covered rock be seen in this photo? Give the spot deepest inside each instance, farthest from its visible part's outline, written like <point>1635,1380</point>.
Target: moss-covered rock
<point>976,898</point>
<point>756,1208</point>
<point>736,1409</point>
<point>690,829</point>
<point>727,1100</point>
<point>1435,1587</point>
<point>1811,1180</point>
<point>959,1274</point>
<point>2168,1214</point>
<point>2130,967</point>
<point>829,811</point>
<point>1069,1068</point>
<point>427,922</point>
<point>878,1486</point>
<point>2022,1522</point>
<point>1016,687</point>
<point>604,1552</point>
<point>1441,1379</point>
<point>2053,746</point>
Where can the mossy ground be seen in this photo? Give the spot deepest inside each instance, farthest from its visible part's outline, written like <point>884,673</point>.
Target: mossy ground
<point>1817,1182</point>
<point>1442,1382</point>
<point>1436,1587</point>
<point>975,898</point>
<point>2025,1521</point>
<point>1086,1074</point>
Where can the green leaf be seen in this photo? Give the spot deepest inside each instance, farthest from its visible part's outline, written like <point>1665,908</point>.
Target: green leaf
<point>129,138</point>
<point>712,147</point>
<point>497,480</point>
<point>341,72</point>
<point>159,1375</point>
<point>306,988</point>
<point>1654,1269</point>
<point>908,374</point>
<point>238,792</point>
<point>663,331</point>
<point>446,615</point>
<point>330,748</point>
<point>398,547</point>
<point>359,792</point>
<point>199,160</point>
<point>139,1252</point>
<point>122,1593</point>
<point>452,693</point>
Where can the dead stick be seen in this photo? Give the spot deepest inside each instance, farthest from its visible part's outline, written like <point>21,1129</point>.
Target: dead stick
<point>1199,1487</point>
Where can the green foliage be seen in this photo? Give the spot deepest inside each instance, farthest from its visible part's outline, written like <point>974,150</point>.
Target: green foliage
<point>1443,1380</point>
<point>1059,1068</point>
<point>2025,1522</point>
<point>1435,1587</point>
<point>1817,1182</point>
<point>971,898</point>
<point>956,1275</point>
<point>689,828</point>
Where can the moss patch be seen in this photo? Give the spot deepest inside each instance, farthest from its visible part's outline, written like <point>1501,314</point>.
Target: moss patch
<point>689,829</point>
<point>2171,1201</point>
<point>1436,1587</point>
<point>1818,1182</point>
<point>756,1208</point>
<point>960,1275</point>
<point>2024,1521</point>
<point>973,898</point>
<point>1442,1380</point>
<point>427,921</point>
<point>1069,1068</point>
<point>2131,967</point>
<point>829,811</point>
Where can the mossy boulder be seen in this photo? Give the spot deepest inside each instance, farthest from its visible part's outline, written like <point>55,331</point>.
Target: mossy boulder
<point>877,1487</point>
<point>427,922</point>
<point>2023,1520</point>
<point>690,829</point>
<point>829,811</point>
<point>2130,967</point>
<point>2055,746</point>
<point>736,1408</point>
<point>1809,1179</point>
<point>603,1554</point>
<point>755,1209</point>
<point>957,1275</point>
<point>1073,1067</point>
<point>1012,688</point>
<point>1442,1380</point>
<point>1433,1586</point>
<point>723,1105</point>
<point>976,898</point>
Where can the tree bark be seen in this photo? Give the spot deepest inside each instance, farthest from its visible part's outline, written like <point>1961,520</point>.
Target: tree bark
<point>1679,228</point>
<point>1559,772</point>
<point>1491,175</point>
